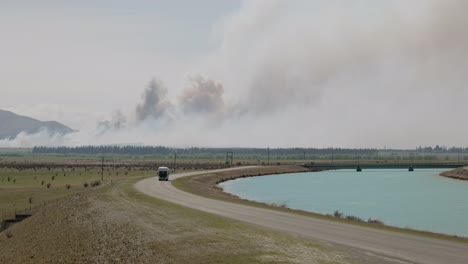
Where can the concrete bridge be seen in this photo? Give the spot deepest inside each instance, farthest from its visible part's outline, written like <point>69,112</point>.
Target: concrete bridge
<point>404,165</point>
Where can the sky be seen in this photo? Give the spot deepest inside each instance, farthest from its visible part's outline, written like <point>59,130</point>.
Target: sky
<point>210,73</point>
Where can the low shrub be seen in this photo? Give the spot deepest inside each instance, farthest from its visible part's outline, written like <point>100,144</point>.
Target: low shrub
<point>375,221</point>
<point>282,205</point>
<point>338,214</point>
<point>85,184</point>
<point>48,185</point>
<point>354,218</point>
<point>68,186</point>
<point>95,183</point>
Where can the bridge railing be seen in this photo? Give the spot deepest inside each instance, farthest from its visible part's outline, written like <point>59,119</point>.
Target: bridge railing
<point>350,165</point>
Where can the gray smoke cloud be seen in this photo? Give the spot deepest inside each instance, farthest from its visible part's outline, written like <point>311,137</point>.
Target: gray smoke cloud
<point>154,103</point>
<point>118,121</point>
<point>204,96</point>
<point>297,52</point>
<point>323,73</point>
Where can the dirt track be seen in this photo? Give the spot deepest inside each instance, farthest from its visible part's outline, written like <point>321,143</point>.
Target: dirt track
<point>396,245</point>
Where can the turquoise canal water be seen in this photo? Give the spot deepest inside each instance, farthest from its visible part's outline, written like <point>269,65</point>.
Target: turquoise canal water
<point>420,200</point>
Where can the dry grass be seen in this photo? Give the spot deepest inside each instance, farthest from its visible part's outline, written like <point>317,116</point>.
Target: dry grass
<point>31,186</point>
<point>459,173</point>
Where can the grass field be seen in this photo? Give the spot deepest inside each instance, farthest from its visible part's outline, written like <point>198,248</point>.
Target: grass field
<point>21,189</point>
<point>28,181</point>
<point>260,157</point>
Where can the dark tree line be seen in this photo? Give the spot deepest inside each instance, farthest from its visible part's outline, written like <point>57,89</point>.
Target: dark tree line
<point>441,149</point>
<point>129,150</point>
<point>160,150</point>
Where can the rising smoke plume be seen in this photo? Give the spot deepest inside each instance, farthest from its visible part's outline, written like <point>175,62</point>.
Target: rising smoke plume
<point>204,96</point>
<point>117,122</point>
<point>321,73</point>
<point>290,53</point>
<point>334,62</point>
<point>154,103</point>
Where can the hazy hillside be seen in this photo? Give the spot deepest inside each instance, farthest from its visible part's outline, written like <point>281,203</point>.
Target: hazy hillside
<point>12,124</point>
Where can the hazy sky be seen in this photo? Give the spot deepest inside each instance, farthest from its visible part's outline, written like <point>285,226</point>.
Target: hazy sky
<point>338,73</point>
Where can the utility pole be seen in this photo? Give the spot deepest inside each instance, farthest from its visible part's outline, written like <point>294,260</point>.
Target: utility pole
<point>229,155</point>
<point>268,156</point>
<point>102,169</point>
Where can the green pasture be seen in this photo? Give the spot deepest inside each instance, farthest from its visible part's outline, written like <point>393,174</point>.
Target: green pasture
<point>21,189</point>
<point>258,157</point>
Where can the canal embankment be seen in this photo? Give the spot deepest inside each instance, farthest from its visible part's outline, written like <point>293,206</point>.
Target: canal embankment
<point>419,199</point>
<point>206,185</point>
<point>458,173</point>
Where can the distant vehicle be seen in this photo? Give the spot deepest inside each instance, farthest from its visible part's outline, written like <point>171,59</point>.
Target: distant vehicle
<point>163,173</point>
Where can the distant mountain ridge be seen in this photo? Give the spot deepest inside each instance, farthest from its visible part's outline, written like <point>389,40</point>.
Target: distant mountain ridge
<point>12,124</point>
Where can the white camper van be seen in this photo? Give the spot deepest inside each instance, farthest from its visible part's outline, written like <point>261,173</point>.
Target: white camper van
<point>163,173</point>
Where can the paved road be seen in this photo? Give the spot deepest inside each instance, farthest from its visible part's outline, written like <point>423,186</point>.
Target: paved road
<point>393,244</point>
